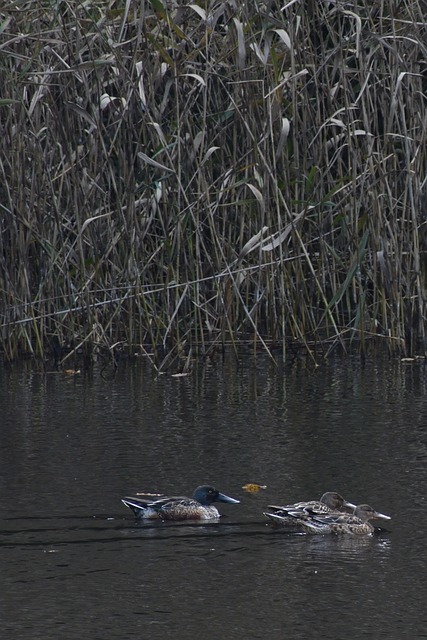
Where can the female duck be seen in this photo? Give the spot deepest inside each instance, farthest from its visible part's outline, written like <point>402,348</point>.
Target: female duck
<point>356,524</point>
<point>330,502</point>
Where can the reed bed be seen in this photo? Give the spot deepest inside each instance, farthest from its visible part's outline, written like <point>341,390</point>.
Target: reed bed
<point>178,178</point>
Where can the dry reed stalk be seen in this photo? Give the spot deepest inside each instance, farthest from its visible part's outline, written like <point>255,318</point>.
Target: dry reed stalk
<point>176,179</point>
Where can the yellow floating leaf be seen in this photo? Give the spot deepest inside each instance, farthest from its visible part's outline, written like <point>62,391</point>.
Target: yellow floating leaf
<point>251,487</point>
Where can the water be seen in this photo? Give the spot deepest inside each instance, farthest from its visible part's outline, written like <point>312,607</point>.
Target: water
<point>75,565</point>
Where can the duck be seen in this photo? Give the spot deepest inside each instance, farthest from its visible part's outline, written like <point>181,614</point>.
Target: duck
<point>356,524</point>
<point>330,502</point>
<point>198,507</point>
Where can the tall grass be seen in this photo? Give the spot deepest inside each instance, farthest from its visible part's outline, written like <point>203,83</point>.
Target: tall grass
<point>175,178</point>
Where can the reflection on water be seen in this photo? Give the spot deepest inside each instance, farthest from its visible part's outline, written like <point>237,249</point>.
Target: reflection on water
<point>74,563</point>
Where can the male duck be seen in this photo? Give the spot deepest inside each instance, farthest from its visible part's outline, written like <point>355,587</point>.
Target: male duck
<point>339,523</point>
<point>199,507</point>
<point>330,502</point>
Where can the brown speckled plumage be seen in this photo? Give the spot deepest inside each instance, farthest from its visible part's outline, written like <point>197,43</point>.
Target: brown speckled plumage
<point>338,523</point>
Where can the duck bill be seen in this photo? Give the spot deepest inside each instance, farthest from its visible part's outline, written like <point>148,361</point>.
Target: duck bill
<point>223,498</point>
<point>382,516</point>
<point>349,505</point>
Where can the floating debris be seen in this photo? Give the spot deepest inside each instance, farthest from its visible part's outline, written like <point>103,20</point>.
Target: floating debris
<point>252,487</point>
<point>146,493</point>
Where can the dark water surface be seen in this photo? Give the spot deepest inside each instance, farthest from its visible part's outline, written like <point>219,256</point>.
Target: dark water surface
<point>74,565</point>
